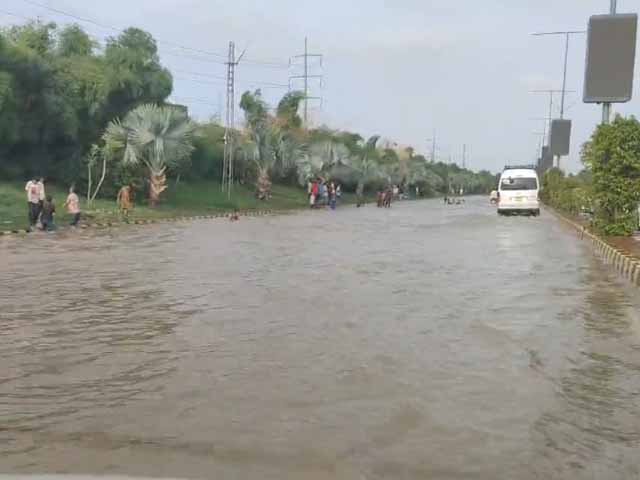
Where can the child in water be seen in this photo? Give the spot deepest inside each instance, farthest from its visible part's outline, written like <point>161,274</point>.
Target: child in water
<point>46,217</point>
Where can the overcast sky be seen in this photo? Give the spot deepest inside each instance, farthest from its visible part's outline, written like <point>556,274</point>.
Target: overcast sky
<point>398,68</point>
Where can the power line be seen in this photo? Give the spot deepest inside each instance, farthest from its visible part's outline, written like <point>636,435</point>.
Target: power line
<point>160,41</point>
<point>15,15</point>
<point>219,77</point>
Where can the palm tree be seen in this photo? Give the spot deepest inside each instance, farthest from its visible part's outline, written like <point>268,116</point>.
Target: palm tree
<point>156,136</point>
<point>365,166</point>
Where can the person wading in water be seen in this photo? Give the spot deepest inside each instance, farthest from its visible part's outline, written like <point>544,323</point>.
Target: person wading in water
<point>124,202</point>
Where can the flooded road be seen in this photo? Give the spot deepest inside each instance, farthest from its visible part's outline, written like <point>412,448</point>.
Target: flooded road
<point>423,342</point>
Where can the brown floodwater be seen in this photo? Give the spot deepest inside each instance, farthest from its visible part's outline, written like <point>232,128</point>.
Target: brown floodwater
<point>421,342</point>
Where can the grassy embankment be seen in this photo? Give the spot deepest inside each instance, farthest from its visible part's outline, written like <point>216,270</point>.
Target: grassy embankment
<point>186,199</point>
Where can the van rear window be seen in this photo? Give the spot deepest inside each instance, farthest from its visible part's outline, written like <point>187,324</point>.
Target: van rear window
<point>510,183</point>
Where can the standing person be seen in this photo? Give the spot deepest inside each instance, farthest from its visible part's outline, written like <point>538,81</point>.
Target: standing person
<point>314,194</point>
<point>124,202</point>
<point>41,193</point>
<point>396,192</point>
<point>388,197</point>
<point>33,201</point>
<point>325,193</point>
<point>332,195</point>
<point>339,191</point>
<point>46,217</point>
<point>73,206</point>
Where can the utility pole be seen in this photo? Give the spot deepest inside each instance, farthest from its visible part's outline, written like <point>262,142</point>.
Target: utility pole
<point>566,34</point>
<point>306,80</point>
<point>306,76</point>
<point>550,117</point>
<point>464,156</point>
<point>433,148</point>
<point>606,106</point>
<point>230,121</point>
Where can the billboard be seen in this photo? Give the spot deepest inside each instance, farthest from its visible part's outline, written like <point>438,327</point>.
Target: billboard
<point>560,140</point>
<point>611,52</point>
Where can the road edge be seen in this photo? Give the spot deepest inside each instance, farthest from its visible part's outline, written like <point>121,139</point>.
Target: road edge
<point>190,218</point>
<point>625,265</point>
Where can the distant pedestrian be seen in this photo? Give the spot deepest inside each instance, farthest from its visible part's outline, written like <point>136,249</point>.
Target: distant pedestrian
<point>73,206</point>
<point>41,191</point>
<point>314,194</point>
<point>33,201</point>
<point>235,216</point>
<point>46,217</point>
<point>339,191</point>
<point>388,196</point>
<point>332,196</point>
<point>124,202</point>
<point>325,194</point>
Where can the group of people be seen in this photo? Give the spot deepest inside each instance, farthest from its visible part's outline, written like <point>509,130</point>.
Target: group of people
<point>453,201</point>
<point>386,196</point>
<point>42,208</point>
<point>323,194</point>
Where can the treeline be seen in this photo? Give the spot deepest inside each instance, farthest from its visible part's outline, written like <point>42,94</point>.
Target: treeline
<point>608,189</point>
<point>74,111</point>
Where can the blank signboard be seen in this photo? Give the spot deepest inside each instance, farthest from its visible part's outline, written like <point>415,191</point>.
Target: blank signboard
<point>611,51</point>
<point>560,137</point>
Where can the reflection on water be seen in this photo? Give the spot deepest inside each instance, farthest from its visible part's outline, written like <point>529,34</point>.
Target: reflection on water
<point>421,342</point>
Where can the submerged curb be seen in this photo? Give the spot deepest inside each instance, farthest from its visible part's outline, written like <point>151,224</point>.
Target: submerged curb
<point>627,266</point>
<point>213,216</point>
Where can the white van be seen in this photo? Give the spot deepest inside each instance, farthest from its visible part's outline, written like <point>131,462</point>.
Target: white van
<point>518,191</point>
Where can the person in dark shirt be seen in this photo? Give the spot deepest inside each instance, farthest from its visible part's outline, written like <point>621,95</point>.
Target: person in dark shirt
<point>48,211</point>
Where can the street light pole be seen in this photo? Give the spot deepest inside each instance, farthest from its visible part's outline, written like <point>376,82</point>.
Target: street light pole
<point>564,75</point>
<point>564,72</point>
<point>606,106</point>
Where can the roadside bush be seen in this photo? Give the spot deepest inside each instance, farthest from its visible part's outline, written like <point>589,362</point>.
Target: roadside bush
<point>613,157</point>
<point>570,194</point>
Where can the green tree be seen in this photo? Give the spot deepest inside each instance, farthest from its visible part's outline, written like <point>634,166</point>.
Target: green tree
<point>73,41</point>
<point>365,164</point>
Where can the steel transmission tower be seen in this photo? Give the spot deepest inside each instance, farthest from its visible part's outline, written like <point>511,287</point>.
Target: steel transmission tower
<point>230,121</point>
<point>305,77</point>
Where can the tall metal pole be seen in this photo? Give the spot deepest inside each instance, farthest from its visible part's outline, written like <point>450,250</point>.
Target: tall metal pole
<point>433,148</point>
<point>306,80</point>
<point>606,106</point>
<point>464,156</point>
<point>548,120</point>
<point>227,167</point>
<point>564,75</point>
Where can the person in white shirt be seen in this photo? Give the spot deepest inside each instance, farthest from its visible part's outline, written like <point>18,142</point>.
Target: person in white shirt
<point>33,201</point>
